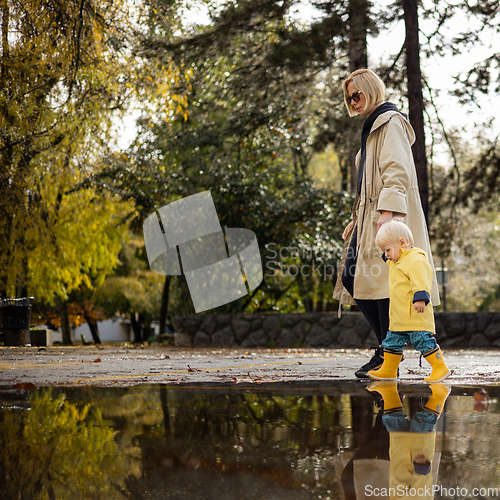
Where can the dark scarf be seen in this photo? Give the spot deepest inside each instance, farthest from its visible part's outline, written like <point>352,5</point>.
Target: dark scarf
<point>367,127</point>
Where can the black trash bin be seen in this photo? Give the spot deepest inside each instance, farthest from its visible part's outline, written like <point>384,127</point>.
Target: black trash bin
<point>15,317</point>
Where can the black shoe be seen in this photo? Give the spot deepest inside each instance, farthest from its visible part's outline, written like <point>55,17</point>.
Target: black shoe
<point>379,402</point>
<point>375,362</point>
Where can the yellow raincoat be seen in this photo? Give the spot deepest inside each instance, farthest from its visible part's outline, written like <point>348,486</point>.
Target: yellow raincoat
<point>410,274</point>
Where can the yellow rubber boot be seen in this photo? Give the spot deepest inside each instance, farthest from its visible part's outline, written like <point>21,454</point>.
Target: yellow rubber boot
<point>389,368</point>
<point>388,390</point>
<point>440,393</point>
<point>439,369</point>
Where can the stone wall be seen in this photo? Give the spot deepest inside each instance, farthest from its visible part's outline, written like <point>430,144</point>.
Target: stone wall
<point>453,330</point>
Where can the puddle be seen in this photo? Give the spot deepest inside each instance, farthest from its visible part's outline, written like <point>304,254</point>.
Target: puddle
<point>291,441</point>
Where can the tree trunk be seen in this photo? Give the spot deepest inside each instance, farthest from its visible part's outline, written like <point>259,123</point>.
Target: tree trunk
<point>94,330</point>
<point>164,305</point>
<point>62,309</point>
<point>22,275</point>
<point>4,166</point>
<point>416,100</point>
<point>358,25</point>
<point>358,59</point>
<point>164,407</point>
<point>344,173</point>
<point>136,328</point>
<point>5,41</point>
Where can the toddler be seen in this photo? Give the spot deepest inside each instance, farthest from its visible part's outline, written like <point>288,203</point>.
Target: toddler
<point>411,317</point>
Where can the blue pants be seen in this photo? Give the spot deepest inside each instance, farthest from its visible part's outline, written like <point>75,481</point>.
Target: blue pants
<point>422,422</point>
<point>421,341</point>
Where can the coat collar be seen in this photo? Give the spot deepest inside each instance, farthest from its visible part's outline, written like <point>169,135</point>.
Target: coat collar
<point>405,251</point>
<point>387,116</point>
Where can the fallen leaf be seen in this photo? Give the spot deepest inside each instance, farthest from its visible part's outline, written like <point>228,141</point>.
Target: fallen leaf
<point>27,386</point>
<point>98,360</point>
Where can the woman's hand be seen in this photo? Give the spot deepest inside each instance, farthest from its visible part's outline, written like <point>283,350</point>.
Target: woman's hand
<point>347,229</point>
<point>385,217</point>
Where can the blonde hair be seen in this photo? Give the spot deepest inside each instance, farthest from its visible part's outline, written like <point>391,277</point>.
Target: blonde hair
<point>371,86</point>
<point>390,232</point>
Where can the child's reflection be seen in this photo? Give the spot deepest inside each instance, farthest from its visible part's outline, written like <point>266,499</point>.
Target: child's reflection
<point>405,469</point>
<point>412,442</point>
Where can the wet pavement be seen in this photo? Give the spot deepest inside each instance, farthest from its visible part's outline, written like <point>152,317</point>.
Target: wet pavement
<point>295,441</point>
<point>145,422</point>
<point>125,365</point>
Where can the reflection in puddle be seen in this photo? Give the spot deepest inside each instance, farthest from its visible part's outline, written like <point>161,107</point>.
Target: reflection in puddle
<point>289,442</point>
<point>398,457</point>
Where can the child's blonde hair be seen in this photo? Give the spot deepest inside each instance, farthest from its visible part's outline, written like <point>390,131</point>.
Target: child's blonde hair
<point>390,232</point>
<point>366,81</point>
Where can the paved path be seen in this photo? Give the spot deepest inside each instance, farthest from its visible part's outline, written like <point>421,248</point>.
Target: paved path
<point>129,365</point>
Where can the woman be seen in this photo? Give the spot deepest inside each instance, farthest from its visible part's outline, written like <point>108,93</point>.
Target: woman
<point>386,188</point>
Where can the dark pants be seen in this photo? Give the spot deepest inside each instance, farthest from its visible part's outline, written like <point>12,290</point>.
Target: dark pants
<point>375,311</point>
<point>376,446</point>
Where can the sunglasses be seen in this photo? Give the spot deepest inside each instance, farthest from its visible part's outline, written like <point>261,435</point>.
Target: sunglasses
<point>354,97</point>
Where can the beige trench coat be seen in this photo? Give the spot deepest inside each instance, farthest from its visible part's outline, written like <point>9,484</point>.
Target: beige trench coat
<point>389,183</point>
